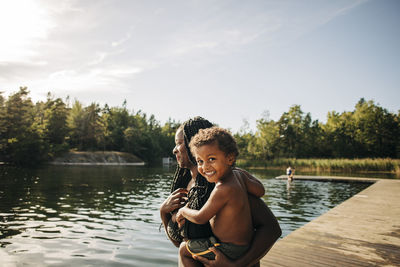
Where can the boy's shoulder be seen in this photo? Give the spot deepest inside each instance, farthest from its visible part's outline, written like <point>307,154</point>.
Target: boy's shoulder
<point>226,182</point>
<point>230,185</point>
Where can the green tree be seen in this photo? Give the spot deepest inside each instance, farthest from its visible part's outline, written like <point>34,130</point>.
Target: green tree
<point>138,138</point>
<point>340,135</point>
<point>245,140</point>
<point>167,137</point>
<point>266,143</point>
<point>86,126</point>
<point>92,127</point>
<point>117,120</point>
<point>290,131</point>
<point>376,129</point>
<point>75,122</point>
<point>24,143</point>
<point>54,121</point>
<point>145,138</point>
<point>315,141</point>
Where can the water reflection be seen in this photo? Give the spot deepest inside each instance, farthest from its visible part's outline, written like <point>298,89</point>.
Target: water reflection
<point>298,202</point>
<point>108,216</point>
<point>80,215</point>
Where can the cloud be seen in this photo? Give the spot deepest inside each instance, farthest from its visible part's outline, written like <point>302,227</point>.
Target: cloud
<point>343,10</point>
<point>122,41</point>
<point>91,79</point>
<point>122,72</point>
<point>99,58</point>
<point>112,49</point>
<point>298,20</point>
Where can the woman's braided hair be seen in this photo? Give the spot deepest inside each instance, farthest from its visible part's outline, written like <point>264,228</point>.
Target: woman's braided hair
<point>200,192</point>
<point>190,128</point>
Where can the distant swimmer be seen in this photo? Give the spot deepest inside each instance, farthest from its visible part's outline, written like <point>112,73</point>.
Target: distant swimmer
<point>290,173</point>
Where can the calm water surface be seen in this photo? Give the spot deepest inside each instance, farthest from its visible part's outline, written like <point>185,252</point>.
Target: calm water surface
<point>108,216</point>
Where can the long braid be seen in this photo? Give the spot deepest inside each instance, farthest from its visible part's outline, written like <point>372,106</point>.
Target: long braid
<point>182,177</point>
<point>199,193</point>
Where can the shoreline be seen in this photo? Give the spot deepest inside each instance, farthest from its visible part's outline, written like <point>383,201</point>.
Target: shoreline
<point>310,169</point>
<point>98,163</point>
<point>321,178</point>
<point>95,158</point>
<point>391,165</point>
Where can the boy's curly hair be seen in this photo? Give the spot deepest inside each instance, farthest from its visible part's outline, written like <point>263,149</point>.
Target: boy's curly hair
<point>226,142</point>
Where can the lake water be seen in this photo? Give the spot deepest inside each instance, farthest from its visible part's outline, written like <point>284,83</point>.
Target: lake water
<point>108,215</point>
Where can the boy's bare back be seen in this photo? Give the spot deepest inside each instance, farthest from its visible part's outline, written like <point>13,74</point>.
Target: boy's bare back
<point>232,223</point>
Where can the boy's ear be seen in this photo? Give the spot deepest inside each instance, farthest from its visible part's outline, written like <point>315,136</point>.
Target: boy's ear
<point>231,158</point>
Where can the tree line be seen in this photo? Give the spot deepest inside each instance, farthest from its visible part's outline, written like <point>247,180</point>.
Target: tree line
<point>31,133</point>
<point>369,131</point>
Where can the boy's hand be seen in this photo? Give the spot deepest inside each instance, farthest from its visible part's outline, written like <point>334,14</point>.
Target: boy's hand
<point>180,219</point>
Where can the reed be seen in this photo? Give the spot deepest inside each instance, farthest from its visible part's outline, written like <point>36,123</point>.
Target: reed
<point>327,165</point>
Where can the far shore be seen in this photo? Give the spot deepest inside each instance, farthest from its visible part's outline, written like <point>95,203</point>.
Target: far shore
<point>99,163</point>
<point>366,165</point>
<point>107,158</point>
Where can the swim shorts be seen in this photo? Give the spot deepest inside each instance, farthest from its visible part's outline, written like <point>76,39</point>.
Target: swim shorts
<point>200,247</point>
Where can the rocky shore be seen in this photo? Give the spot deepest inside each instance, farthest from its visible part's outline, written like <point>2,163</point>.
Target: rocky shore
<point>98,158</point>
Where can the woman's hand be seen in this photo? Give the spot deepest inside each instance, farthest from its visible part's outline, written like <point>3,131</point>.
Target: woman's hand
<point>174,201</point>
<point>220,259</point>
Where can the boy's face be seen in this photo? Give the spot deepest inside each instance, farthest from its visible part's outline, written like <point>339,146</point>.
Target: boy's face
<point>213,163</point>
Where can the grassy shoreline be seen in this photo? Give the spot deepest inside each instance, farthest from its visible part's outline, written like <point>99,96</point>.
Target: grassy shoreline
<point>385,165</point>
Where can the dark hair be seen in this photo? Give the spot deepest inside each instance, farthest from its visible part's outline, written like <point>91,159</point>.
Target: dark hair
<point>190,128</point>
<point>225,141</point>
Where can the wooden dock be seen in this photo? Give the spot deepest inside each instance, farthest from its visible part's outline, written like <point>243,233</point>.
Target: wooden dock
<point>362,231</point>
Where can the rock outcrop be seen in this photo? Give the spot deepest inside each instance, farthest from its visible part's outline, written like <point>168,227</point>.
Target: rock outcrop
<point>97,158</point>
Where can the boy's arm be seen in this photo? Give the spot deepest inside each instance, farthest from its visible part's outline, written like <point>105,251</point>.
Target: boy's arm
<point>254,186</point>
<point>218,198</point>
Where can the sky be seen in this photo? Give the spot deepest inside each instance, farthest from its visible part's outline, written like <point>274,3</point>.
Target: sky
<point>229,61</point>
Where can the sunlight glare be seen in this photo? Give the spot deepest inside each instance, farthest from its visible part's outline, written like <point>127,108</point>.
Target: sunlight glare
<point>22,24</point>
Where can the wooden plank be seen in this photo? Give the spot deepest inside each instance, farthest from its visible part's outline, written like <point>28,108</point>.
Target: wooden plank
<point>362,231</point>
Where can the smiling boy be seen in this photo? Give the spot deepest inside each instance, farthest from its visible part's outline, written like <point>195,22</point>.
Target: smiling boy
<point>227,209</point>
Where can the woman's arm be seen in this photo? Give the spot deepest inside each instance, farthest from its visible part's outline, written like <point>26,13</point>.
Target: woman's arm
<point>266,234</point>
<point>267,231</point>
<point>174,201</point>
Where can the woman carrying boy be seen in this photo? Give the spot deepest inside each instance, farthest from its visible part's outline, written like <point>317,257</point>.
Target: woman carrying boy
<point>227,208</point>
<point>190,187</point>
